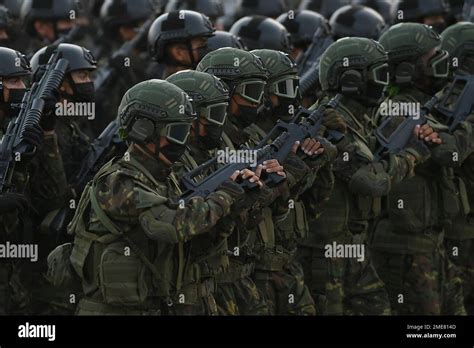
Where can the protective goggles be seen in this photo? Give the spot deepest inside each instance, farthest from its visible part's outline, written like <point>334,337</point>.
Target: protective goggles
<point>380,74</point>
<point>251,90</point>
<point>287,87</point>
<point>214,113</point>
<point>177,133</point>
<point>440,64</point>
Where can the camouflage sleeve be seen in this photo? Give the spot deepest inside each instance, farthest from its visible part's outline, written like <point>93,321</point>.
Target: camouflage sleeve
<point>374,178</point>
<point>48,184</point>
<point>456,147</point>
<point>319,193</point>
<point>133,203</point>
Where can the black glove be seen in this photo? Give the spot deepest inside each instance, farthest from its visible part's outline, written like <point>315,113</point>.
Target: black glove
<point>48,119</point>
<point>33,135</point>
<point>418,148</point>
<point>13,201</point>
<point>232,188</point>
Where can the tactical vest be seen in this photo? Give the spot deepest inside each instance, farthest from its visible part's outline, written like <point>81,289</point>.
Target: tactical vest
<point>277,235</point>
<point>142,279</point>
<point>419,208</point>
<point>207,251</point>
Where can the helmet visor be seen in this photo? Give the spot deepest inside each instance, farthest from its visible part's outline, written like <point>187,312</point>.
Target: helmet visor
<point>177,133</point>
<point>440,64</point>
<point>251,90</point>
<point>215,113</point>
<point>380,74</point>
<point>287,87</point>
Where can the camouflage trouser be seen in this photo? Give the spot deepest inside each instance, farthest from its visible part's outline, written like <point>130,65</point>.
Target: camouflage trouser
<point>238,295</point>
<point>15,299</point>
<point>421,284</point>
<point>463,258</point>
<point>285,291</point>
<point>343,286</point>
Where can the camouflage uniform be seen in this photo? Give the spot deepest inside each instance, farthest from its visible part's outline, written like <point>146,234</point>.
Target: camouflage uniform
<point>350,286</point>
<point>278,274</point>
<point>209,251</point>
<point>129,206</point>
<point>408,240</point>
<point>41,179</point>
<point>460,234</point>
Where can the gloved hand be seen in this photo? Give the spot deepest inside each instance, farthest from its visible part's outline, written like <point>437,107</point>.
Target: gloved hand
<point>332,120</point>
<point>48,119</point>
<point>13,201</point>
<point>33,135</point>
<point>232,188</point>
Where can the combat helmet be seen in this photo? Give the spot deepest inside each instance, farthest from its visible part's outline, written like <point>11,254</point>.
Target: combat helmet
<point>458,41</point>
<point>262,32</point>
<point>405,44</point>
<point>155,108</point>
<point>355,66</point>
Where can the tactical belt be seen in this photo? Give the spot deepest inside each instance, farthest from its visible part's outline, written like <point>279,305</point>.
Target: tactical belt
<point>236,272</point>
<point>274,260</point>
<point>89,306</point>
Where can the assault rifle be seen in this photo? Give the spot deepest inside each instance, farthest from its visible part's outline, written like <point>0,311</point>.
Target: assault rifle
<point>32,107</point>
<point>458,101</point>
<point>107,74</point>
<point>394,140</point>
<point>278,149</point>
<point>319,43</point>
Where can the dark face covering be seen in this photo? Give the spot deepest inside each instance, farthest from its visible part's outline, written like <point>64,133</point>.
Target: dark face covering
<point>248,115</point>
<point>173,151</point>
<point>212,139</point>
<point>373,95</point>
<point>12,107</point>
<point>85,91</point>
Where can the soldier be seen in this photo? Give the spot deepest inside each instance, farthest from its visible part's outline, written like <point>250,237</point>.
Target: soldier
<point>356,20</point>
<point>281,276</point>
<point>17,38</point>
<point>224,39</point>
<point>458,40</point>
<point>324,7</point>
<point>38,185</point>
<point>74,108</point>
<point>429,12</point>
<point>408,241</point>
<point>139,235</point>
<point>48,21</point>
<point>261,252</point>
<point>262,32</point>
<point>350,285</point>
<point>120,21</point>
<point>302,26</point>
<point>211,99</point>
<point>179,40</point>
<point>211,8</point>
<point>4,24</point>
<point>386,8</point>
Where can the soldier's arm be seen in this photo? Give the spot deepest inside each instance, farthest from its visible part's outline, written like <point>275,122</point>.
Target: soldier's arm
<point>48,184</point>
<point>375,178</point>
<point>455,147</point>
<point>160,217</point>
